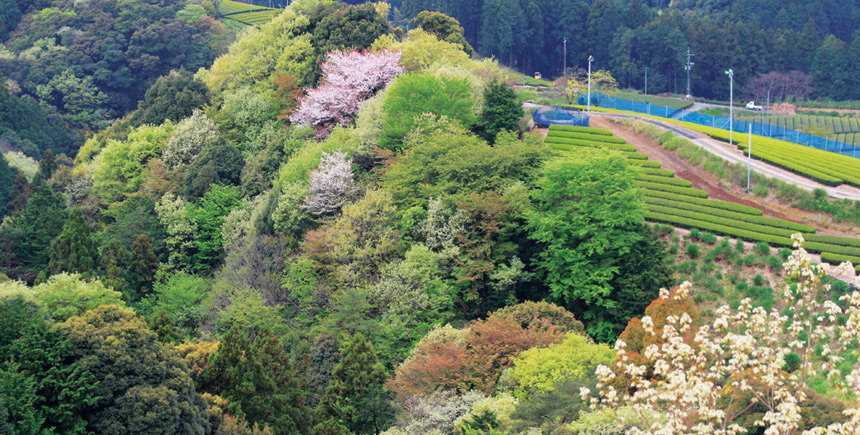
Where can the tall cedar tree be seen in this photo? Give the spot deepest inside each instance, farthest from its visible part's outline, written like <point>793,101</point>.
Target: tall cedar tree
<point>144,264</point>
<point>356,396</point>
<point>114,263</point>
<point>47,166</point>
<point>7,186</point>
<point>501,111</point>
<point>74,249</point>
<point>28,237</point>
<point>255,375</point>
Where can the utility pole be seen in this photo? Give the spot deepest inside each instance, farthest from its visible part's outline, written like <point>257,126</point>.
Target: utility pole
<point>731,75</point>
<point>564,71</point>
<point>646,80</point>
<point>749,160</point>
<point>590,59</point>
<point>688,66</point>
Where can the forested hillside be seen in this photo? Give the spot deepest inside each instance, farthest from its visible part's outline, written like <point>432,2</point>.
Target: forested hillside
<point>325,225</point>
<point>751,36</point>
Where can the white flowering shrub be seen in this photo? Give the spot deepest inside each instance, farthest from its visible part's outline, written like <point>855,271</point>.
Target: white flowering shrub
<point>705,384</point>
<point>189,138</point>
<point>331,185</point>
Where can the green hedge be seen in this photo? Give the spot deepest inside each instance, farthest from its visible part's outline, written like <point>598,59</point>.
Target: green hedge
<point>665,180</point>
<point>644,164</point>
<point>718,229</point>
<point>794,167</point>
<point>588,143</point>
<point>713,203</point>
<point>670,188</point>
<point>576,129</point>
<point>704,217</point>
<point>832,240</point>
<point>753,219</point>
<point>834,249</point>
<point>829,257</point>
<point>586,136</point>
<point>658,172</point>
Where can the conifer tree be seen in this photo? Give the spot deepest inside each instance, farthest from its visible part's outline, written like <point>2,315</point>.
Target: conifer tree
<point>114,263</point>
<point>255,375</point>
<point>144,265</point>
<point>7,186</point>
<point>47,166</point>
<point>74,250</point>
<point>501,111</point>
<point>356,396</point>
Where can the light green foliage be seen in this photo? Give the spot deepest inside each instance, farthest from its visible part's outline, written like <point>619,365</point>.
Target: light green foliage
<point>181,298</point>
<point>414,94</point>
<point>289,218</point>
<point>78,98</point>
<point>540,369</point>
<point>191,13</point>
<point>248,311</point>
<point>423,49</point>
<point>368,124</point>
<point>308,157</point>
<point>607,422</point>
<point>252,117</point>
<point>501,406</point>
<point>278,47</point>
<point>64,295</point>
<point>209,217</point>
<point>442,160</point>
<point>364,238</point>
<point>119,169</point>
<point>586,209</point>
<point>181,230</point>
<point>189,138</point>
<point>22,163</point>
<point>445,28</point>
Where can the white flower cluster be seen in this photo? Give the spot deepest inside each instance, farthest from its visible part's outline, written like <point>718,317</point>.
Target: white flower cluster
<point>700,380</point>
<point>331,185</point>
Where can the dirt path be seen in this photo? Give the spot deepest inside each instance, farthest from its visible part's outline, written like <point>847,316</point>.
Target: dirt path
<point>718,189</point>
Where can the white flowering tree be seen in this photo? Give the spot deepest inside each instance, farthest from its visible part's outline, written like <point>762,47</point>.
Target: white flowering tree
<point>704,384</point>
<point>349,78</point>
<point>331,185</point>
<point>189,138</point>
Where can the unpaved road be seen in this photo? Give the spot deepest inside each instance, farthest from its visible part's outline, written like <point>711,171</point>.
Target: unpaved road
<point>734,155</point>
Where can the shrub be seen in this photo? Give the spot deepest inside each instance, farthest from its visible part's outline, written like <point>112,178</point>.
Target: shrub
<point>709,238</point>
<point>693,251</point>
<point>762,248</point>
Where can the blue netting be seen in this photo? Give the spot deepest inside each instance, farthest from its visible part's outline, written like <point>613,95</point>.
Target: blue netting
<point>772,131</point>
<point>605,101</point>
<point>559,116</point>
<point>775,132</point>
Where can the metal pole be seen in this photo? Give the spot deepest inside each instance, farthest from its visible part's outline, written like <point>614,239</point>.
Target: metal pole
<point>564,71</point>
<point>749,160</point>
<point>590,59</point>
<point>731,75</point>
<point>688,66</point>
<point>646,80</point>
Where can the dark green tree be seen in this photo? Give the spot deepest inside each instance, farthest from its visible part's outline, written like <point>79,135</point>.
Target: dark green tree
<point>144,265</point>
<point>218,163</point>
<point>256,376</point>
<point>173,97</point>
<point>28,236</point>
<point>128,220</point>
<point>47,166</point>
<point>356,396</point>
<point>74,249</point>
<point>115,259</point>
<point>209,216</point>
<point>143,387</point>
<point>501,111</point>
<point>444,27</point>
<point>7,186</point>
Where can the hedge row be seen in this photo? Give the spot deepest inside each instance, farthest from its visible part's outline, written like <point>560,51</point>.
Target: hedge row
<point>644,163</point>
<point>704,217</point>
<point>589,143</point>
<point>665,180</point>
<point>637,157</point>
<point>788,165</point>
<point>658,172</point>
<point>712,203</point>
<point>828,257</point>
<point>577,129</point>
<point>834,249</point>
<point>586,136</point>
<point>832,240</point>
<point>753,219</point>
<point>673,189</point>
<point>718,229</point>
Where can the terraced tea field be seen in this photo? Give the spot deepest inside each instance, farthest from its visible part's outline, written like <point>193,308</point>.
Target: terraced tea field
<point>244,14</point>
<point>674,201</point>
<point>845,130</point>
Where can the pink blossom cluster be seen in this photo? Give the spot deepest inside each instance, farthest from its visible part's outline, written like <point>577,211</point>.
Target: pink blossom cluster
<point>349,78</point>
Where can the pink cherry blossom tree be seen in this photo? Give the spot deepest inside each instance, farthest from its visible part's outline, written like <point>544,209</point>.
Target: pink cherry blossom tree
<point>349,78</point>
